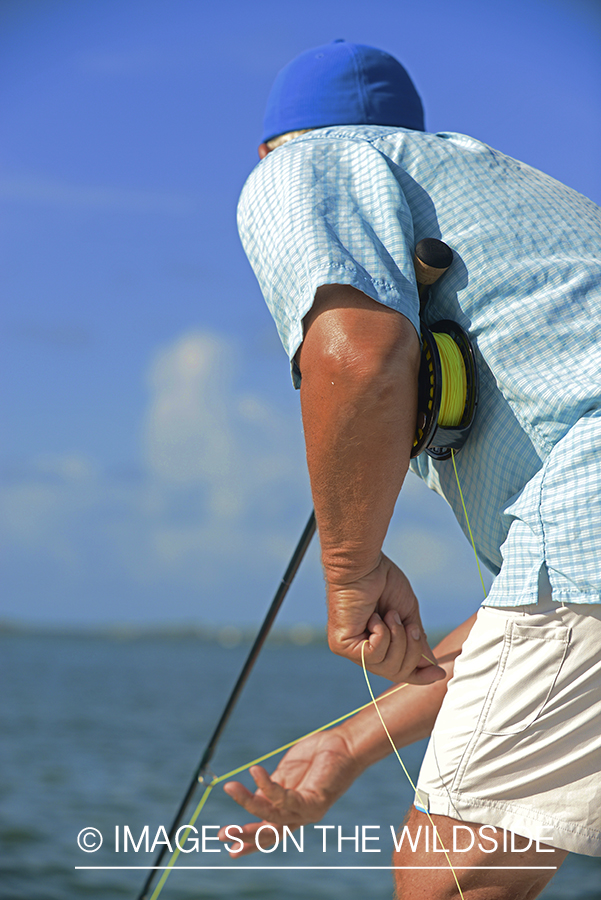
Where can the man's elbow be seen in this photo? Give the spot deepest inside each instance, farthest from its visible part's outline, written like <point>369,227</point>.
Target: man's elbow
<point>351,337</point>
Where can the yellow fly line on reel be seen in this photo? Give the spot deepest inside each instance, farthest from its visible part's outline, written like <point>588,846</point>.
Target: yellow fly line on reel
<point>447,390</point>
<point>454,381</point>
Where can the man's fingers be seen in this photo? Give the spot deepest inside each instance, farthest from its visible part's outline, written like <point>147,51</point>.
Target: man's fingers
<point>413,650</point>
<point>348,644</point>
<point>383,642</point>
<point>399,653</point>
<point>237,792</point>
<point>274,792</point>
<point>255,804</point>
<point>427,657</point>
<point>268,804</point>
<point>378,640</point>
<point>386,641</point>
<point>271,802</point>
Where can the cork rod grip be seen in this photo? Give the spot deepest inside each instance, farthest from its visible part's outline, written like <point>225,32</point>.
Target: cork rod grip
<point>431,260</point>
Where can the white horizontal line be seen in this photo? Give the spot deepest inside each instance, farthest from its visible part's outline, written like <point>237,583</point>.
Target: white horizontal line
<point>234,868</point>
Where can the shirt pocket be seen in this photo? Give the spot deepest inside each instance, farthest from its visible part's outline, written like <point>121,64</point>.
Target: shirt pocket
<point>529,666</point>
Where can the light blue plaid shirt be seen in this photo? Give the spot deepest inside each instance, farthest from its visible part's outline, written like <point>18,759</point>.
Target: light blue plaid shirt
<point>347,205</point>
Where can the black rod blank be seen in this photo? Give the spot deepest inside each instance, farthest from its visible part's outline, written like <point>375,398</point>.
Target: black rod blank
<point>293,565</point>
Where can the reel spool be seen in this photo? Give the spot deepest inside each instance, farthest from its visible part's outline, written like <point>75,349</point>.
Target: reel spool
<point>446,403</point>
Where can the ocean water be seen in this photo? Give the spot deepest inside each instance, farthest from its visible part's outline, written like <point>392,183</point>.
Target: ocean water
<point>105,732</point>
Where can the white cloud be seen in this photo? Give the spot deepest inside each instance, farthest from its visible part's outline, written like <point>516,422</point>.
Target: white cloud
<point>189,434</point>
<point>200,431</point>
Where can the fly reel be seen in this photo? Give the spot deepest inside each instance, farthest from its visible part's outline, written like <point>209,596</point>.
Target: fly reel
<point>447,390</point>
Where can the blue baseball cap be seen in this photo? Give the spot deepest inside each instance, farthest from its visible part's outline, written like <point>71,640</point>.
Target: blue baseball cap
<point>342,84</point>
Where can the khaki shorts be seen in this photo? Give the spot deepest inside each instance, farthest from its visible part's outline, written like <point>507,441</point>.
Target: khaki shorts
<point>517,742</point>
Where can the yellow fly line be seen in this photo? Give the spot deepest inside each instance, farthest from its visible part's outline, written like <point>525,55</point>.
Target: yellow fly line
<point>454,381</point>
<point>373,702</point>
<point>467,522</point>
<point>403,766</point>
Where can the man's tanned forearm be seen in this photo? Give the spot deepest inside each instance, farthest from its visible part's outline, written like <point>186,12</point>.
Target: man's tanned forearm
<point>359,363</point>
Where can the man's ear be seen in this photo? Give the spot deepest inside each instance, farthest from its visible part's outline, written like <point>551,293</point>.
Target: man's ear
<point>263,151</point>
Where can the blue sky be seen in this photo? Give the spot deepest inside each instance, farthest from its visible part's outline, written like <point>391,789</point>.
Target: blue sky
<point>152,464</point>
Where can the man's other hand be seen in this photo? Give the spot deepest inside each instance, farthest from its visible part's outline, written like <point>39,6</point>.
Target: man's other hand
<point>309,779</point>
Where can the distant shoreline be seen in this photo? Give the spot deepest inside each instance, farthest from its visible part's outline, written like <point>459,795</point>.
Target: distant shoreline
<point>300,634</point>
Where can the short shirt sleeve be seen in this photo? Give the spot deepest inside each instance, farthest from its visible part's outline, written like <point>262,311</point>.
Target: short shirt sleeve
<point>327,210</point>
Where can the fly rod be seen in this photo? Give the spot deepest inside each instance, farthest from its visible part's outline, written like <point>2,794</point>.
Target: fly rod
<point>201,770</point>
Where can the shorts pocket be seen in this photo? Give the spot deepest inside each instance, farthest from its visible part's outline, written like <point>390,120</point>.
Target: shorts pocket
<point>530,662</point>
